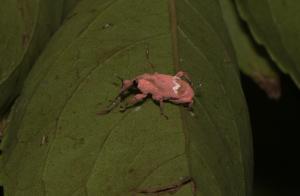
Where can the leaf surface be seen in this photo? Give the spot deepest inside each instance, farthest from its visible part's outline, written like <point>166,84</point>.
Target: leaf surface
<point>275,25</point>
<point>68,7</point>
<point>57,145</point>
<point>25,27</point>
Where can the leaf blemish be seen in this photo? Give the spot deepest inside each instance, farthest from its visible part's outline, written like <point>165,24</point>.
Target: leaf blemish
<point>192,114</point>
<point>137,108</point>
<point>172,188</point>
<point>107,26</point>
<point>44,140</point>
<point>25,39</point>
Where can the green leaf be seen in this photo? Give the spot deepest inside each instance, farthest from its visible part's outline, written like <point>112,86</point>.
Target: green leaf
<point>275,24</point>
<point>251,60</point>
<point>25,27</point>
<point>57,145</point>
<point>68,7</point>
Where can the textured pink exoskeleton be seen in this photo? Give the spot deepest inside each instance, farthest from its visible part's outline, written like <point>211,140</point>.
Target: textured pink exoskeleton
<point>161,87</point>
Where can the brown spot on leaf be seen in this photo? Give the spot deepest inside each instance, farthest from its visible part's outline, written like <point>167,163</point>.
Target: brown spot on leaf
<point>271,85</point>
<point>3,125</point>
<point>172,188</point>
<point>25,40</point>
<point>26,16</point>
<point>130,170</point>
<point>227,58</point>
<point>44,140</point>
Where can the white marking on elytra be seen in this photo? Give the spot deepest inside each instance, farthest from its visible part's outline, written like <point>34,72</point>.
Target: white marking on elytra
<point>176,85</point>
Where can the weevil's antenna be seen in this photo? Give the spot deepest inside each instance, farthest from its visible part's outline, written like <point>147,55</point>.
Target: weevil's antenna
<point>115,102</point>
<point>147,53</point>
<point>120,78</point>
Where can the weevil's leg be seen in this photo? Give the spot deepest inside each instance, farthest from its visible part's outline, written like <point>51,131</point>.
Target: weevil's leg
<point>118,98</point>
<point>126,85</point>
<point>184,75</point>
<point>161,102</point>
<point>134,100</point>
<point>187,103</point>
<point>190,106</point>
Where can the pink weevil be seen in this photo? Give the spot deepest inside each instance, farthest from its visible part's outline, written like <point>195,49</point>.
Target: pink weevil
<point>162,87</point>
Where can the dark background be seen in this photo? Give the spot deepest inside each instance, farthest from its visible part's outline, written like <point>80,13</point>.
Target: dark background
<point>275,128</point>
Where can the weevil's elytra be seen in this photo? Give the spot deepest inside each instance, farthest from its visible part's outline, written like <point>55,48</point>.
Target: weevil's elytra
<point>161,87</point>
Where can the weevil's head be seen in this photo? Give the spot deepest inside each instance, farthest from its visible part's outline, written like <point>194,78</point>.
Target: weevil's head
<point>127,84</point>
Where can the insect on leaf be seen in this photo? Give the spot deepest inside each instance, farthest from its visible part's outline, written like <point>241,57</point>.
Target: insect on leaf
<point>137,152</point>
